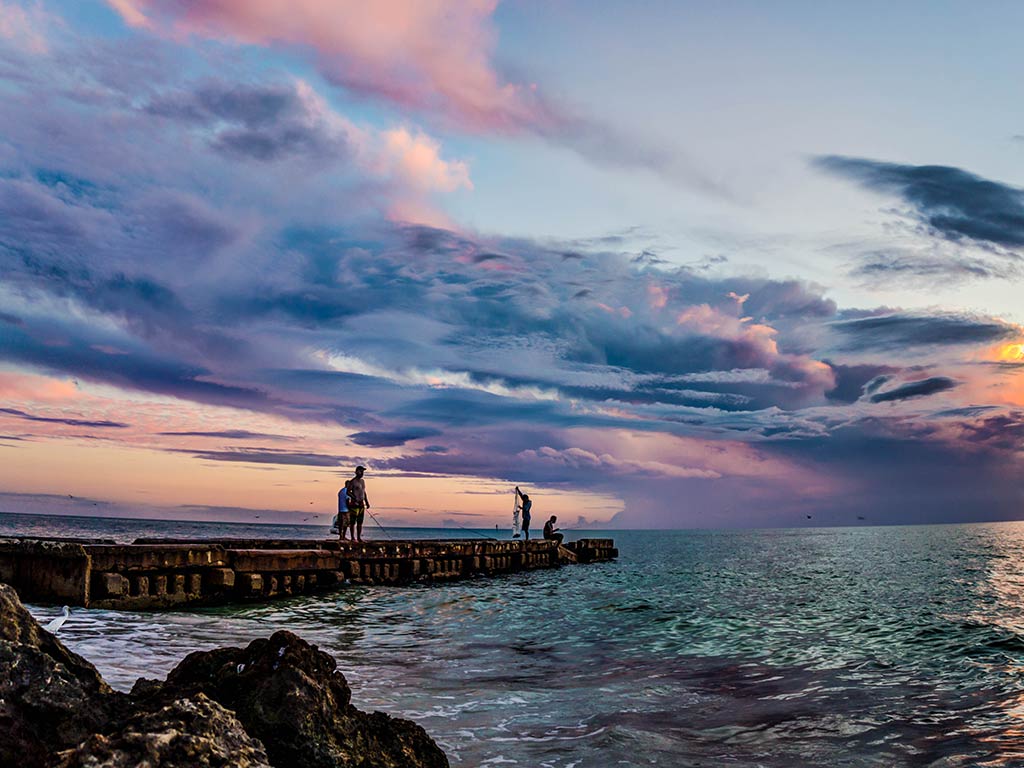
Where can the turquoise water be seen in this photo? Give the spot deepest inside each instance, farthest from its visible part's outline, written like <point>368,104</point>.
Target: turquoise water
<point>899,646</point>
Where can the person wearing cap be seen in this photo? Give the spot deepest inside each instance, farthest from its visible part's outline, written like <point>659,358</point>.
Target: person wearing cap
<point>358,502</point>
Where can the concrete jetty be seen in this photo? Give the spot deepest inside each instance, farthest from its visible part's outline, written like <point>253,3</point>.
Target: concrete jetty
<point>157,574</point>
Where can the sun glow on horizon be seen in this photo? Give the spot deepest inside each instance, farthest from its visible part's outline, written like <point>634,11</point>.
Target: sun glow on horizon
<point>1011,353</point>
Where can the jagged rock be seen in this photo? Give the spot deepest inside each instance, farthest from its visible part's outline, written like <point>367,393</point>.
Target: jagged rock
<point>50,698</point>
<point>279,702</point>
<point>187,733</point>
<point>289,694</point>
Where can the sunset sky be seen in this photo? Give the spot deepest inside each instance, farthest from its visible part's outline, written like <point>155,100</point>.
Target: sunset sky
<point>664,264</point>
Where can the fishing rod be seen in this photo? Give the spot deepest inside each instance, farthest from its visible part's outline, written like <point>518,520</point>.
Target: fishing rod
<point>382,528</point>
<point>476,533</point>
<point>467,530</point>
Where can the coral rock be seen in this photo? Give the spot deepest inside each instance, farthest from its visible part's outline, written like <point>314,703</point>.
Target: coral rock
<point>187,733</point>
<point>50,698</point>
<point>290,695</point>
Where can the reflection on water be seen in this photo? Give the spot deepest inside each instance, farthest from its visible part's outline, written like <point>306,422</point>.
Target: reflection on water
<point>860,647</point>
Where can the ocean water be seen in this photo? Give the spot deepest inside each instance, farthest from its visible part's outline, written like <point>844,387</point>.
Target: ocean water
<point>875,646</point>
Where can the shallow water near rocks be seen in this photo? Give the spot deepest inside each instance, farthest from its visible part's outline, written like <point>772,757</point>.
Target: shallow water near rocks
<point>896,646</point>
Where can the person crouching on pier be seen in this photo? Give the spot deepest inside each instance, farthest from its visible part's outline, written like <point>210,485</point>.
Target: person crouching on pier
<point>527,506</point>
<point>344,518</point>
<point>551,533</point>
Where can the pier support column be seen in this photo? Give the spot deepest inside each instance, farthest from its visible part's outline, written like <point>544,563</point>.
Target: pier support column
<point>250,584</point>
<point>113,585</point>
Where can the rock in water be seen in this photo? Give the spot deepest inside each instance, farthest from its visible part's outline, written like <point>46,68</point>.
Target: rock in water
<point>187,733</point>
<point>279,703</point>
<point>50,698</point>
<point>290,695</point>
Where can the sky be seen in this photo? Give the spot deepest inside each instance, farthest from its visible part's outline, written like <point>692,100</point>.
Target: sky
<point>662,264</point>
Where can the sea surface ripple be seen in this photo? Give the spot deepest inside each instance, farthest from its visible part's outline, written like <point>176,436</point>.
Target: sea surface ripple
<point>874,646</point>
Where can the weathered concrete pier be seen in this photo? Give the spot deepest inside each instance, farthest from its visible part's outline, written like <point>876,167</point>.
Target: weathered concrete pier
<point>156,574</point>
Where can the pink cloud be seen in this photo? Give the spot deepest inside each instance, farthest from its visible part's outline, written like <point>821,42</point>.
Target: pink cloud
<point>25,26</point>
<point>758,343</point>
<point>129,10</point>
<point>623,312</point>
<point>704,319</point>
<point>416,157</point>
<point>32,388</point>
<point>639,456</point>
<point>429,55</point>
<point>432,57</point>
<point>657,296</point>
<point>580,458</point>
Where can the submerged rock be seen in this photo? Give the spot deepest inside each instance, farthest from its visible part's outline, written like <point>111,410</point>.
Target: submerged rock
<point>278,703</point>
<point>290,695</point>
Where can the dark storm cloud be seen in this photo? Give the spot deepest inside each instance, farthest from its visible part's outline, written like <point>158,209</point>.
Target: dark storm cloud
<point>392,439</point>
<point>312,307</point>
<point>664,392</point>
<point>897,331</point>
<point>266,456</point>
<point>877,383</point>
<point>851,380</point>
<point>926,476</point>
<point>179,239</point>
<point>1004,430</point>
<point>464,409</point>
<point>68,422</point>
<point>255,122</point>
<point>887,265</point>
<point>119,257</point>
<point>921,388</point>
<point>187,222</point>
<point>231,434</point>
<point>966,412</point>
<point>63,348</point>
<point>951,202</point>
<point>451,307</point>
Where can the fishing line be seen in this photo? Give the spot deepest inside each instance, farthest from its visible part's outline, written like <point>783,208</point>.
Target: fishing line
<point>467,530</point>
<point>476,533</point>
<point>383,529</point>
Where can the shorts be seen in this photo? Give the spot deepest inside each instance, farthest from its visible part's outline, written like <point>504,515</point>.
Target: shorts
<point>343,520</point>
<point>356,513</point>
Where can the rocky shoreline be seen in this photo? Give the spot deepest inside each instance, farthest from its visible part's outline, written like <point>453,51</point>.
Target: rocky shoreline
<point>278,703</point>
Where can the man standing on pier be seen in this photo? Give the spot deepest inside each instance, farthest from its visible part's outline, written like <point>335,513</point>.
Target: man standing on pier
<point>527,506</point>
<point>360,503</point>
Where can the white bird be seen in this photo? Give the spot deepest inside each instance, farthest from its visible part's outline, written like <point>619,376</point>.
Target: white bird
<point>55,625</point>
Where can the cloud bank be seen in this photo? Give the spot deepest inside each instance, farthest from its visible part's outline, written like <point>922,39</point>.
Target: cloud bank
<point>233,245</point>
